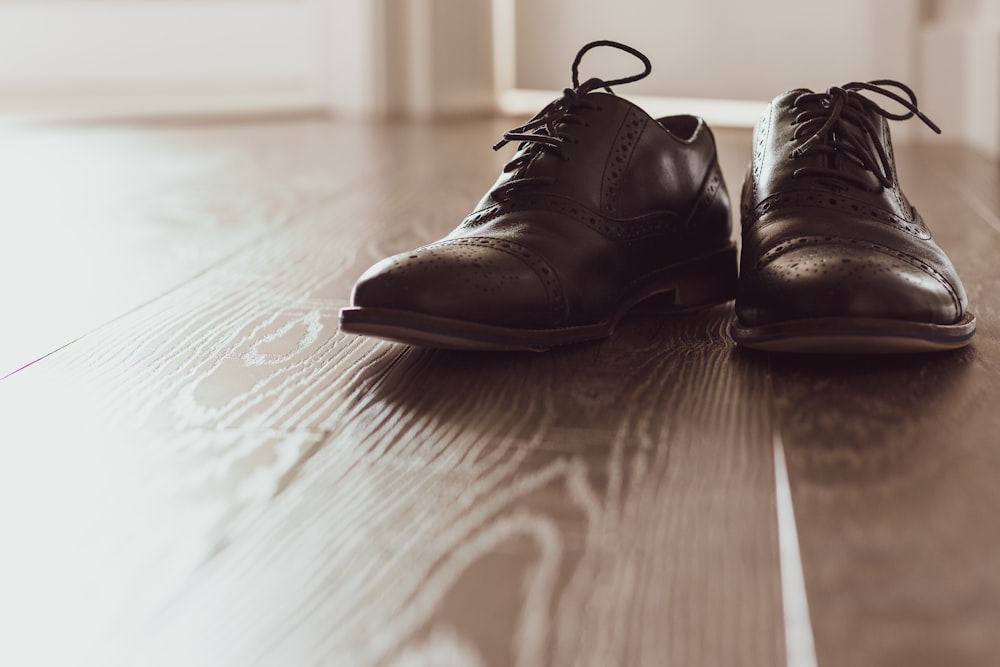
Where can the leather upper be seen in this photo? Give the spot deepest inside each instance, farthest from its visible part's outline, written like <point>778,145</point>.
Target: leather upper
<point>817,245</point>
<point>565,235</point>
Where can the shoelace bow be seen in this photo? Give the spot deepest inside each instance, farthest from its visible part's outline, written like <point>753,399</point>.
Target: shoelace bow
<point>836,123</point>
<point>544,131</point>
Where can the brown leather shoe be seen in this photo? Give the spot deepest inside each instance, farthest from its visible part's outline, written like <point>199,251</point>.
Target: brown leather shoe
<point>834,257</point>
<point>601,208</point>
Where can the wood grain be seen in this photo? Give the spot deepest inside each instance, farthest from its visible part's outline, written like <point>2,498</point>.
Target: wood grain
<point>99,220</point>
<point>893,462</point>
<point>225,479</point>
<point>199,469</point>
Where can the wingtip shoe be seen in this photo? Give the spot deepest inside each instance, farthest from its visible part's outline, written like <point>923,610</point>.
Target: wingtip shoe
<point>601,208</point>
<point>834,258</point>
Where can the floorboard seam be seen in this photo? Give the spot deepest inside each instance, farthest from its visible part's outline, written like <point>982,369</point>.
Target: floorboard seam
<point>799,646</point>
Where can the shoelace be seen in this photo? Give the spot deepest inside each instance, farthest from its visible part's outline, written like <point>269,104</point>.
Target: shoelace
<point>544,131</point>
<point>837,124</point>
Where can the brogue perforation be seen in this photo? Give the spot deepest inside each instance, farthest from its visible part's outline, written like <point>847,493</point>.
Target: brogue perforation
<point>834,258</point>
<point>601,208</point>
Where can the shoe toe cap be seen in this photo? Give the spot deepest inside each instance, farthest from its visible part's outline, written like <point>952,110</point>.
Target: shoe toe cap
<point>845,280</point>
<point>476,280</point>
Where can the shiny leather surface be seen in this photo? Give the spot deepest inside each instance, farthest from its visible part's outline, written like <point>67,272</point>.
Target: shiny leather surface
<point>816,246</point>
<point>627,197</point>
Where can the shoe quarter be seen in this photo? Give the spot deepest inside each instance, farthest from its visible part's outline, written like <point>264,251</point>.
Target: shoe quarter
<point>617,166</point>
<point>665,174</point>
<point>751,185</point>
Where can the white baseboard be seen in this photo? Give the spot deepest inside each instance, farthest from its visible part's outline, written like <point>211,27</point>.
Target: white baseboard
<point>119,104</point>
<point>719,113</point>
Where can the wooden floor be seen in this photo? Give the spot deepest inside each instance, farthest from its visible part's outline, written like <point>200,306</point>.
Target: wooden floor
<point>198,469</point>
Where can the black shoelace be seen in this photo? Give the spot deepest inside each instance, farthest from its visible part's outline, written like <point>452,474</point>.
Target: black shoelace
<point>837,124</point>
<point>544,132</point>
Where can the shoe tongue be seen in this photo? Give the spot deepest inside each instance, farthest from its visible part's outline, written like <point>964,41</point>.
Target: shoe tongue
<point>594,84</point>
<point>786,98</point>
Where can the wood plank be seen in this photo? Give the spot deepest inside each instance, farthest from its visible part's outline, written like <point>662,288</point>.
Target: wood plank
<point>593,493</point>
<point>893,462</point>
<point>291,495</point>
<point>99,220</point>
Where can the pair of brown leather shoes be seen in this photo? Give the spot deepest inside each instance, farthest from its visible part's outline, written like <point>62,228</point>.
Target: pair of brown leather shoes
<point>602,208</point>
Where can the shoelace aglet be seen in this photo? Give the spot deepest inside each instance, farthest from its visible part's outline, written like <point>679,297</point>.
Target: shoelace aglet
<point>931,124</point>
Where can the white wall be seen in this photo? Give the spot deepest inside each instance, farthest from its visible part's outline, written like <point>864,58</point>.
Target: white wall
<point>439,57</point>
<point>731,49</point>
<point>422,58</point>
<point>66,57</point>
<point>947,50</point>
<point>960,69</point>
<point>73,58</point>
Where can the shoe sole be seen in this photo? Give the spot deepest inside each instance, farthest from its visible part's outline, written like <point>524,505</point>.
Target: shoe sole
<point>841,335</point>
<point>698,283</point>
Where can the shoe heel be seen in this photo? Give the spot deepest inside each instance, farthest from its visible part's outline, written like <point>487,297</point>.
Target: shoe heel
<point>711,281</point>
<point>707,281</point>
